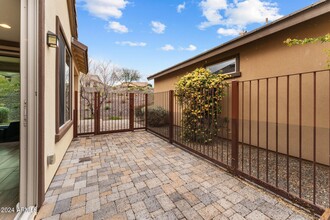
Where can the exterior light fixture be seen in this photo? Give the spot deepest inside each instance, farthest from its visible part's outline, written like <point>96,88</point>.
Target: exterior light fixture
<point>5,26</point>
<point>52,40</point>
<point>51,159</point>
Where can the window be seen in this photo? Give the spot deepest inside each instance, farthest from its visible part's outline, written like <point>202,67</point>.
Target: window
<point>63,85</point>
<point>228,66</point>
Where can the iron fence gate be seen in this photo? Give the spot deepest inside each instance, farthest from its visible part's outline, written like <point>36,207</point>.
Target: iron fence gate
<point>100,113</point>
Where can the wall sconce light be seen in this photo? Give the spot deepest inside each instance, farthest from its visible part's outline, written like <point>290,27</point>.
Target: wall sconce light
<point>52,40</point>
<point>51,159</point>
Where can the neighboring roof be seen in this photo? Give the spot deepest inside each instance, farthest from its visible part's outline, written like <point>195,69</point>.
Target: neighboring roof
<point>95,78</point>
<point>138,84</point>
<point>312,11</point>
<point>92,77</point>
<point>73,18</point>
<point>80,54</point>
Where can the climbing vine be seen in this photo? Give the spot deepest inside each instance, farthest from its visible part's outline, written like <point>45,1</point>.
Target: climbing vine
<point>322,39</point>
<point>200,93</point>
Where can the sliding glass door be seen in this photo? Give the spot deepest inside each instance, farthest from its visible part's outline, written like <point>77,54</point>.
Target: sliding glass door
<point>10,89</point>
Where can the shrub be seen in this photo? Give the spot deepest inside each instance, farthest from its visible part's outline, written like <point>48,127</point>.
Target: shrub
<point>200,93</point>
<point>4,112</point>
<point>107,107</point>
<point>139,112</point>
<point>157,116</point>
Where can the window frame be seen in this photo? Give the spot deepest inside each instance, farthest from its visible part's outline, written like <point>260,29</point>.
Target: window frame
<point>231,75</point>
<point>61,130</point>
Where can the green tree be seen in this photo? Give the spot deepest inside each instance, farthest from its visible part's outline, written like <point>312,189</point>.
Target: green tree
<point>10,95</point>
<point>9,86</point>
<point>128,76</point>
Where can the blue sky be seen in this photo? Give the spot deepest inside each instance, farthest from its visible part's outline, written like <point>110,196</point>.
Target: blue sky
<point>151,35</point>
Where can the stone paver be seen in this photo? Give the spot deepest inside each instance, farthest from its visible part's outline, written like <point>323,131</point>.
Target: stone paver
<point>136,175</point>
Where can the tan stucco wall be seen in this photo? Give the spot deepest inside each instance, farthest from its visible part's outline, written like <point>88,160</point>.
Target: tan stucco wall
<point>269,57</point>
<point>53,9</point>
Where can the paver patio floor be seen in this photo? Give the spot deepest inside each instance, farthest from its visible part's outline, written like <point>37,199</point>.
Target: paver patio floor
<point>136,175</point>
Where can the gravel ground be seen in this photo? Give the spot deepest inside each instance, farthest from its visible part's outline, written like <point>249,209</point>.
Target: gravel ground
<point>288,173</point>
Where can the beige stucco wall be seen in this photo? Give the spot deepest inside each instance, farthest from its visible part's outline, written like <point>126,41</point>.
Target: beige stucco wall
<point>269,57</point>
<point>53,9</point>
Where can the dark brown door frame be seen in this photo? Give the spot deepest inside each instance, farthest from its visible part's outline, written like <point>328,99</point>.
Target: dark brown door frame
<point>41,105</point>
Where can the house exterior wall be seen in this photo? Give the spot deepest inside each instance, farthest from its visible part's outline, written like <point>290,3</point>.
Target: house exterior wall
<point>269,57</point>
<point>52,9</point>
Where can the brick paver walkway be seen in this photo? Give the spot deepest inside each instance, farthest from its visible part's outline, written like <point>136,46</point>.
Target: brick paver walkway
<point>136,175</point>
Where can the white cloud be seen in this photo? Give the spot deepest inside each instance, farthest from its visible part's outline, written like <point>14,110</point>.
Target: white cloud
<point>251,11</point>
<point>191,47</point>
<point>211,11</point>
<point>228,32</point>
<point>131,44</point>
<point>117,27</point>
<point>181,7</point>
<point>167,47</point>
<point>237,15</point>
<point>158,27</point>
<point>105,9</point>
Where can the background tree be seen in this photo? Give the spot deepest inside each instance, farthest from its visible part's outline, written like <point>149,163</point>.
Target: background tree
<point>107,73</point>
<point>128,76</point>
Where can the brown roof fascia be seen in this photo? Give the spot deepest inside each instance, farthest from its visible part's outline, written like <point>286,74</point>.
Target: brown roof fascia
<point>80,54</point>
<point>73,18</point>
<point>312,11</point>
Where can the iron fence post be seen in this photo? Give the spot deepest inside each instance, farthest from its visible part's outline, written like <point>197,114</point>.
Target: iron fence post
<point>95,113</point>
<point>234,125</point>
<point>98,112</point>
<point>146,111</point>
<point>131,111</point>
<point>171,107</point>
<point>75,115</point>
